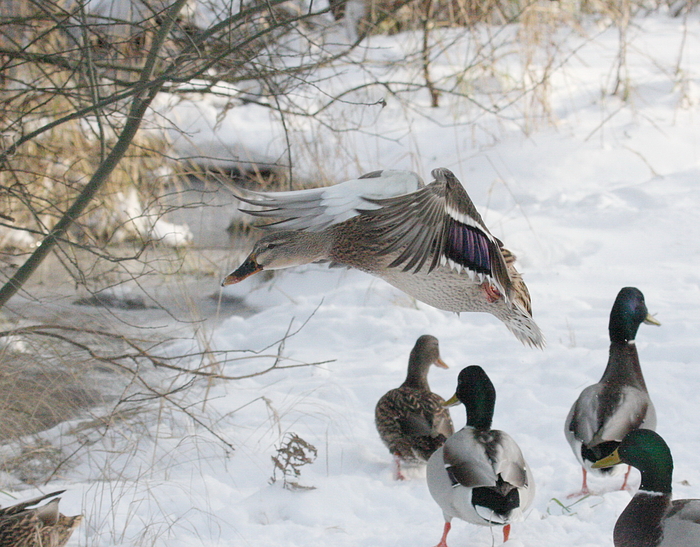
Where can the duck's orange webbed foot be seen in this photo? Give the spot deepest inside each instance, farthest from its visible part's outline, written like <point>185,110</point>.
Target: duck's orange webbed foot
<point>492,293</point>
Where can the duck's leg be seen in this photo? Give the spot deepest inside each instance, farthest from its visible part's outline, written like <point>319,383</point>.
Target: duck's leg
<point>506,532</point>
<point>398,475</point>
<point>492,293</point>
<point>445,531</point>
<point>624,483</point>
<point>584,486</point>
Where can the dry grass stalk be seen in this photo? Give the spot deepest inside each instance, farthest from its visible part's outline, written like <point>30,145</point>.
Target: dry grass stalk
<point>292,455</point>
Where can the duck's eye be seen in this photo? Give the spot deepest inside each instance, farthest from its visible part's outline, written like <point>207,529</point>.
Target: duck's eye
<point>271,246</point>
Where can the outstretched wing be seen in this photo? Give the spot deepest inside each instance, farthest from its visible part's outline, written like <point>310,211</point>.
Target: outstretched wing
<point>318,208</point>
<point>439,224</point>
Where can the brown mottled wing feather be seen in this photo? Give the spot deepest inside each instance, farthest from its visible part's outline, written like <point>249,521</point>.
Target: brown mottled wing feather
<point>413,223</point>
<point>437,223</point>
<point>24,525</point>
<point>412,423</point>
<point>58,535</point>
<point>508,256</point>
<point>20,530</point>
<point>19,507</point>
<point>520,292</point>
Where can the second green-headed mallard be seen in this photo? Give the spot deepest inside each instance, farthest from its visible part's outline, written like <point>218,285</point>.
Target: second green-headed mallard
<point>605,412</point>
<point>652,518</point>
<point>411,420</point>
<point>479,475</point>
<point>427,240</point>
<point>27,524</point>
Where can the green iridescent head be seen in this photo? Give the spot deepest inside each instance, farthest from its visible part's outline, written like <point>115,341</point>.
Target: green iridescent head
<point>648,452</point>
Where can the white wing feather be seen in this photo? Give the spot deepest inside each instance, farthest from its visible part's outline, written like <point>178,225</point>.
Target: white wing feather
<point>317,208</point>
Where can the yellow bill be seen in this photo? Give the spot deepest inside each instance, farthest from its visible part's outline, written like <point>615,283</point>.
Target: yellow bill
<point>609,461</point>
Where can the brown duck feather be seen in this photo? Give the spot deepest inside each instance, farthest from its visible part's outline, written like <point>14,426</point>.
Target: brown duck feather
<point>28,524</point>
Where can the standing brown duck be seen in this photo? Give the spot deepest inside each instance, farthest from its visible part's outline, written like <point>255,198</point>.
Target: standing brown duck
<point>27,524</point>
<point>426,240</point>
<point>411,419</point>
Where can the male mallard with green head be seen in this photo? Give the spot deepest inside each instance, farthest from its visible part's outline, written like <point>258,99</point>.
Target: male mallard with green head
<point>411,420</point>
<point>479,475</point>
<point>652,518</point>
<point>426,240</point>
<point>605,412</point>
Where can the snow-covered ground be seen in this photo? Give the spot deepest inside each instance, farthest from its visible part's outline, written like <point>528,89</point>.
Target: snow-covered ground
<point>606,195</point>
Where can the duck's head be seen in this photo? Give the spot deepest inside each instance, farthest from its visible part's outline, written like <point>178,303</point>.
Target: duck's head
<point>277,251</point>
<point>476,392</point>
<point>426,352</point>
<point>628,312</point>
<point>648,452</point>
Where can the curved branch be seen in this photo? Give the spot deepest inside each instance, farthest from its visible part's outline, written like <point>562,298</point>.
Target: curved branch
<point>139,105</point>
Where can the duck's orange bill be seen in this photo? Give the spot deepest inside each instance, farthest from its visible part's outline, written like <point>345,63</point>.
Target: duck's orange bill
<point>248,268</point>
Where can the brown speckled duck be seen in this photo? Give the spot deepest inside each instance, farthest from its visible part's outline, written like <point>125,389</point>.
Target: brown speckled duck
<point>27,524</point>
<point>411,419</point>
<point>652,518</point>
<point>427,240</point>
<point>605,412</point>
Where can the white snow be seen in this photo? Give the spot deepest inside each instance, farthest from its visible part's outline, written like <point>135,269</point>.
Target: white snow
<point>604,195</point>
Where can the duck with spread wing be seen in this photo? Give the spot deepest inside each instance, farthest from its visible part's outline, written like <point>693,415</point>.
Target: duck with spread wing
<point>426,240</point>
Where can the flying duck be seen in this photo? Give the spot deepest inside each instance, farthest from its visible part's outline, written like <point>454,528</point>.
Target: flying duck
<point>427,240</point>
